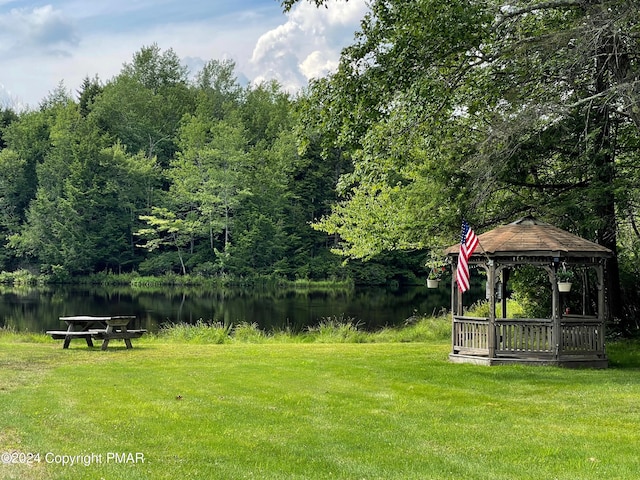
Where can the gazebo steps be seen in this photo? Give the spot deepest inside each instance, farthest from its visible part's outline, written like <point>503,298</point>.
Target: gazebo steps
<point>568,361</point>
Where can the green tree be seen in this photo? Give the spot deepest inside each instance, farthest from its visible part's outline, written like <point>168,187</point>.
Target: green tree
<point>474,108</point>
<point>14,196</point>
<point>143,105</point>
<point>87,94</point>
<point>29,138</point>
<point>80,218</point>
<point>209,172</point>
<point>217,89</point>
<point>7,116</point>
<point>227,178</point>
<point>265,112</point>
<point>260,243</point>
<point>311,180</point>
<point>166,229</point>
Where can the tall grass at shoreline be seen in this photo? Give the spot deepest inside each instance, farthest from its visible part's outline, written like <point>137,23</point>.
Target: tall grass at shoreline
<point>330,330</point>
<point>333,329</point>
<point>135,279</point>
<point>336,329</point>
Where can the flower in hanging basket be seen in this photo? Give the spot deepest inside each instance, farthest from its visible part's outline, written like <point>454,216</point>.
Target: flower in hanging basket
<point>564,286</point>
<point>564,278</point>
<point>436,273</point>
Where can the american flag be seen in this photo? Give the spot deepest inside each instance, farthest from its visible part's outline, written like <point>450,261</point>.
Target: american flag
<point>468,243</point>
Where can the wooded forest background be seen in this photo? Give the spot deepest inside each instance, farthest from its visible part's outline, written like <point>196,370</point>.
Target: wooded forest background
<point>438,111</point>
<point>158,171</point>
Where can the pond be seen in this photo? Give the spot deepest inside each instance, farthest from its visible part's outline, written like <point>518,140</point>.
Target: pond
<point>38,309</point>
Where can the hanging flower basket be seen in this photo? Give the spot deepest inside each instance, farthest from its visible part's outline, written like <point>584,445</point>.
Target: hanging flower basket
<point>564,286</point>
<point>437,267</point>
<point>564,277</point>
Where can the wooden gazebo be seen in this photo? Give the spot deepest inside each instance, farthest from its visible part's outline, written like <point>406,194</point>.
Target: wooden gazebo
<point>571,339</point>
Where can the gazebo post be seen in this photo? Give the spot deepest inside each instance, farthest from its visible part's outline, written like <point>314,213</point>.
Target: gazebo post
<point>456,294</point>
<point>585,291</point>
<point>491,281</point>
<point>555,310</point>
<point>601,297</point>
<point>504,272</point>
<point>454,306</point>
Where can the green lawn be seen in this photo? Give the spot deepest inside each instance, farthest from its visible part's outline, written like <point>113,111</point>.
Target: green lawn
<point>311,411</point>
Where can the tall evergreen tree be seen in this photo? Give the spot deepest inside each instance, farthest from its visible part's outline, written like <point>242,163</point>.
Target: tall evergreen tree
<point>87,94</point>
<point>7,116</point>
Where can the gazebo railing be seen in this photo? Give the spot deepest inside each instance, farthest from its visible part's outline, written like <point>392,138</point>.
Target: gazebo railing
<point>470,335</point>
<point>581,335</point>
<point>523,337</point>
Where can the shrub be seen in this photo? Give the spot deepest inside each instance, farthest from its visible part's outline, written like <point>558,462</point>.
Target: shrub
<point>248,333</point>
<point>200,332</point>
<point>337,330</point>
<point>19,277</point>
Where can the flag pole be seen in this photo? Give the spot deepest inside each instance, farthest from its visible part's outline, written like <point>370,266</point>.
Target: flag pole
<point>484,252</point>
<point>469,242</point>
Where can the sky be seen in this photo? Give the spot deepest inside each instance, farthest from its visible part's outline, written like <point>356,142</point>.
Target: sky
<point>45,43</point>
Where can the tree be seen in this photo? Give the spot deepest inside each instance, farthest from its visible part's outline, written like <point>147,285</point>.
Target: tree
<point>265,112</point>
<point>87,94</point>
<point>30,139</point>
<point>81,218</point>
<point>7,116</point>
<point>165,228</point>
<point>142,107</point>
<point>473,108</point>
<point>156,70</point>
<point>14,196</point>
<point>312,176</point>
<point>218,91</point>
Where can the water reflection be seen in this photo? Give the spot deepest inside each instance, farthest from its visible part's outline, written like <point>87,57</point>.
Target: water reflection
<point>37,309</point>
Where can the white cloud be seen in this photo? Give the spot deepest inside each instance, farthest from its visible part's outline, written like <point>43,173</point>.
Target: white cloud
<point>40,30</point>
<point>8,100</point>
<point>35,72</point>
<point>317,65</point>
<point>67,40</point>
<point>308,44</point>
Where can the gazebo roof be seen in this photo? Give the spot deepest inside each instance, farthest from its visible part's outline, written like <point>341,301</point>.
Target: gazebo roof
<point>530,237</point>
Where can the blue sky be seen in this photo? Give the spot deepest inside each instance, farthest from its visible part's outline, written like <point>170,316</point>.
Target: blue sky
<point>44,43</point>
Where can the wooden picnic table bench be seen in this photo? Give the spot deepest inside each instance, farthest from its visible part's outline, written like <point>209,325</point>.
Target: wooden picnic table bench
<point>109,328</point>
<point>117,330</point>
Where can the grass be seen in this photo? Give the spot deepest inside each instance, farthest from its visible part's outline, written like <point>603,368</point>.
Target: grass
<point>336,329</point>
<point>281,406</point>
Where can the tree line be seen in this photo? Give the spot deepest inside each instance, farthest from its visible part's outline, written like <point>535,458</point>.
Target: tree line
<point>158,171</point>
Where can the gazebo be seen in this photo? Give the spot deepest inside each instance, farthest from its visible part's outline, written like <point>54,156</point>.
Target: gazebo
<point>566,338</point>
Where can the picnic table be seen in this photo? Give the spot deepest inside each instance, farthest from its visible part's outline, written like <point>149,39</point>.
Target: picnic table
<point>103,328</point>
